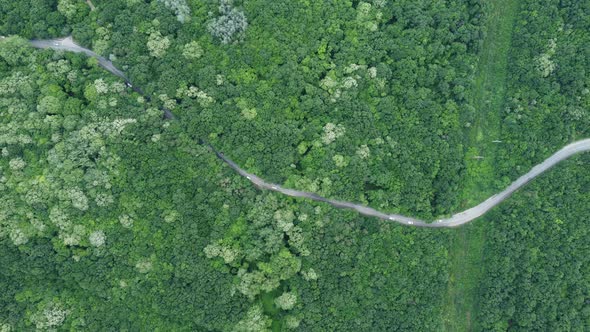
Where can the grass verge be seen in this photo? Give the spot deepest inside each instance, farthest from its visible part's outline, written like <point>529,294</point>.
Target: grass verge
<point>487,96</point>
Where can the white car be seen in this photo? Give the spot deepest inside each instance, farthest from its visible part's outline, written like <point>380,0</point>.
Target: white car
<point>129,84</point>
<point>56,44</point>
<point>410,222</point>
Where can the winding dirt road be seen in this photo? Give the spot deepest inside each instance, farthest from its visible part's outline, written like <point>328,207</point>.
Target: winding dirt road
<point>68,44</point>
<point>455,220</point>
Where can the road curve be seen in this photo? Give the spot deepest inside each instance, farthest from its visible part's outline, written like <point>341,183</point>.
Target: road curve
<point>455,220</point>
<point>68,44</point>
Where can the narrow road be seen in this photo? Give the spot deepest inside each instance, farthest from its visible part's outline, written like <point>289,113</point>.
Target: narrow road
<point>455,220</point>
<point>91,5</point>
<point>68,44</point>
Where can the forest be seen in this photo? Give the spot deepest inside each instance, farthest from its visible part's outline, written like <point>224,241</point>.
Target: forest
<point>114,218</point>
<point>537,263</point>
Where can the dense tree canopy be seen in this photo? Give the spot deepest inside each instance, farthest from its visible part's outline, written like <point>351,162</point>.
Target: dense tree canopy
<point>113,218</point>
<point>537,262</point>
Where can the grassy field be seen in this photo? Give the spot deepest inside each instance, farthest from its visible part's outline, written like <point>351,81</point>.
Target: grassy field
<point>487,96</point>
<point>465,256</point>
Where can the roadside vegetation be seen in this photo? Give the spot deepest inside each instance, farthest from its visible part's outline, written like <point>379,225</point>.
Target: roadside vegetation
<point>505,275</point>
<point>482,126</point>
<point>113,218</point>
<point>147,230</point>
<point>536,261</point>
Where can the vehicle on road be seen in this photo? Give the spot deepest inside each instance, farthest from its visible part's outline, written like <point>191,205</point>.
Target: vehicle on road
<point>453,221</point>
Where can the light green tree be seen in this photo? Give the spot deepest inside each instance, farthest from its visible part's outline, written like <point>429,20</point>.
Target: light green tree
<point>286,301</point>
<point>255,321</point>
<point>192,50</point>
<point>67,8</point>
<point>157,44</point>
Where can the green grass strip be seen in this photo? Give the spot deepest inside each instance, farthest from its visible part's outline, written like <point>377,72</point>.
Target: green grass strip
<point>487,96</point>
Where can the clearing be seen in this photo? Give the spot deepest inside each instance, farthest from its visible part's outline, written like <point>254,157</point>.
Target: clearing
<point>487,96</point>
